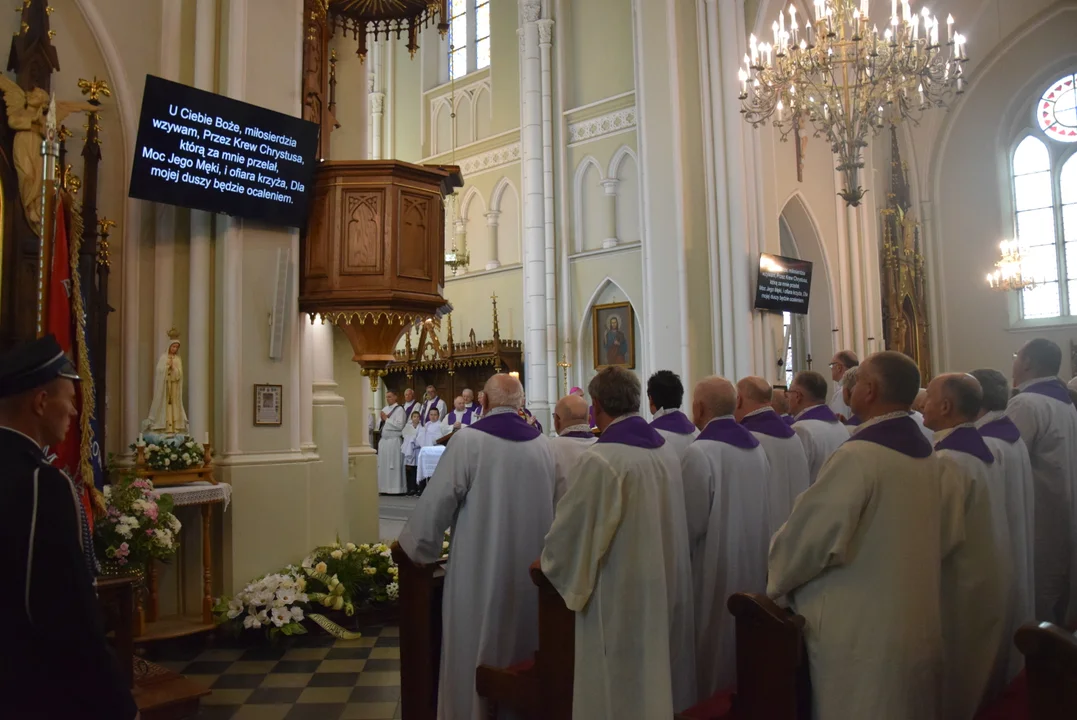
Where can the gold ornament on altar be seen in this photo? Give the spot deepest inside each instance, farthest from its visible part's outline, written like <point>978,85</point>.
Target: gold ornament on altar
<point>1009,270</point>
<point>846,79</point>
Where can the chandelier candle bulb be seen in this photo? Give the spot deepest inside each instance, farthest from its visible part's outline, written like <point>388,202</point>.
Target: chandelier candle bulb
<point>949,28</point>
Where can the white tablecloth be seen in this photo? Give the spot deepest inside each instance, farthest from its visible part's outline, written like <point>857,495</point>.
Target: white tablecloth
<point>198,493</point>
<point>428,461</point>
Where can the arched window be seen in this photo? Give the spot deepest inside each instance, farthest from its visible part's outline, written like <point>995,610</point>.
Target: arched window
<point>1044,172</point>
<point>469,36</point>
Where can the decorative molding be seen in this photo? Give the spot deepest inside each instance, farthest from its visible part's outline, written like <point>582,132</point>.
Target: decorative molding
<point>531,10</point>
<point>377,103</point>
<point>619,248</point>
<point>491,159</point>
<point>603,125</point>
<point>545,30</point>
<point>482,273</point>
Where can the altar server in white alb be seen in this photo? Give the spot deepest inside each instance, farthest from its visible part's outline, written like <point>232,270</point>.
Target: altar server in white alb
<point>841,363</point>
<point>614,557</point>
<point>977,570</point>
<point>410,451</point>
<point>789,474</point>
<point>574,436</point>
<point>1045,415</point>
<point>815,424</point>
<point>665,393</point>
<point>391,476</point>
<point>432,402</point>
<point>727,515</point>
<point>494,485</point>
<point>430,432</point>
<point>1015,468</point>
<point>860,560</point>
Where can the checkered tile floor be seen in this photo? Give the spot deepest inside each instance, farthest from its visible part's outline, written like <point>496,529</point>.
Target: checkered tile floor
<point>316,678</point>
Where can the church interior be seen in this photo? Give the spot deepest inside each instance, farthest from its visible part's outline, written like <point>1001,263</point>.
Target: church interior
<point>543,189</point>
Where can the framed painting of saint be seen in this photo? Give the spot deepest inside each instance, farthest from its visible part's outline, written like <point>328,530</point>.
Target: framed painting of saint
<point>614,335</point>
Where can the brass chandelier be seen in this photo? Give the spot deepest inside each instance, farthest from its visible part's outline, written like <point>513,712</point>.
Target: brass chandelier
<point>1009,270</point>
<point>846,79</point>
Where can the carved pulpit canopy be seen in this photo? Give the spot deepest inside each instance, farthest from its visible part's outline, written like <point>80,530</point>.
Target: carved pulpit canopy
<point>373,255</point>
<point>384,18</point>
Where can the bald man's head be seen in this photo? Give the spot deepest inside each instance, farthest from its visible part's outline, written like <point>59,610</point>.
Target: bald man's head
<point>502,390</point>
<point>952,399</point>
<point>570,410</point>
<point>752,393</point>
<point>714,397</point>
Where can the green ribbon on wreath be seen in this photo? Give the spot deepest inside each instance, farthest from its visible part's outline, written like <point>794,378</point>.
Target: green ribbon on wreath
<point>333,629</point>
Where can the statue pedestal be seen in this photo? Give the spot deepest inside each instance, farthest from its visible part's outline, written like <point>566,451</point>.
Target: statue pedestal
<point>171,478</point>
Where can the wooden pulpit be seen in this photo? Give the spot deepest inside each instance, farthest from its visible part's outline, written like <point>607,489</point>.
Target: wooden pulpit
<point>1051,666</point>
<point>421,588</point>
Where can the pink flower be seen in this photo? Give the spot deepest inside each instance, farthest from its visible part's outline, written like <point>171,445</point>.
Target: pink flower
<point>121,561</point>
<point>123,551</point>
<point>149,533</point>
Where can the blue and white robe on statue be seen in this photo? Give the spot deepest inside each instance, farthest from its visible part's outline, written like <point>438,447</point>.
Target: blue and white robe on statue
<point>391,478</point>
<point>615,556</point>
<point>1015,469</point>
<point>494,487</point>
<point>726,507</point>
<point>567,448</point>
<point>676,428</point>
<point>1044,414</point>
<point>789,475</point>
<point>860,560</point>
<point>977,574</point>
<point>822,434</point>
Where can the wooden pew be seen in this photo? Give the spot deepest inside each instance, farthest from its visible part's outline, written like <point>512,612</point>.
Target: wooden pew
<point>421,588</point>
<point>540,689</point>
<point>1051,668</point>
<point>772,666</point>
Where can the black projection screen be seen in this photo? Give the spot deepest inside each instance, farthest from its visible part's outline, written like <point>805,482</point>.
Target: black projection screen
<point>204,151</point>
<point>784,284</point>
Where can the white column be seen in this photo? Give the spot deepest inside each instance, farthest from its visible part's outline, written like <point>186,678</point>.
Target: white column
<point>611,185</point>
<point>330,434</point>
<point>534,245</point>
<point>325,384</point>
<point>492,219</point>
<point>460,239</point>
<point>198,324</point>
<point>377,113</point>
<point>306,384</point>
<point>545,30</point>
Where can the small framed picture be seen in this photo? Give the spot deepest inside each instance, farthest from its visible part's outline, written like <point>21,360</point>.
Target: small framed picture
<point>614,335</point>
<point>267,405</point>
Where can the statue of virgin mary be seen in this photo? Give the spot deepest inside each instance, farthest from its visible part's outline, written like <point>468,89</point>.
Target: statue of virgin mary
<point>166,413</point>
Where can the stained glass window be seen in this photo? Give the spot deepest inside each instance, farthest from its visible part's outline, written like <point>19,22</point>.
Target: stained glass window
<point>458,16</point>
<point>469,36</point>
<point>1057,110</point>
<point>482,34</point>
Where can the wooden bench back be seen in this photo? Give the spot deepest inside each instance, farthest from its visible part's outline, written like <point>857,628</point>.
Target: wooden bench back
<point>772,664</point>
<point>421,589</point>
<point>1051,665</point>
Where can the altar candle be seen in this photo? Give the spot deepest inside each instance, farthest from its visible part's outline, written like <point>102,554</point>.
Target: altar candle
<point>205,439</point>
<point>140,440</point>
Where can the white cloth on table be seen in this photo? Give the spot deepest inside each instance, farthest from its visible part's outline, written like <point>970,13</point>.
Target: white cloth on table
<point>977,572</point>
<point>1049,428</point>
<point>391,478</point>
<point>497,495</point>
<point>820,440</point>
<point>566,452</point>
<point>427,461</point>
<point>860,558</point>
<point>198,493</point>
<point>726,505</point>
<point>1015,469</point>
<point>610,554</point>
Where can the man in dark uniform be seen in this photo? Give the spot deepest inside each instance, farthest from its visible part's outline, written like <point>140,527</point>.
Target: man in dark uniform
<point>56,663</point>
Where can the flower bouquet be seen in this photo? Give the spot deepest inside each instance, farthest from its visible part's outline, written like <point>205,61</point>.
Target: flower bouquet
<point>137,525</point>
<point>171,452</point>
<point>275,602</point>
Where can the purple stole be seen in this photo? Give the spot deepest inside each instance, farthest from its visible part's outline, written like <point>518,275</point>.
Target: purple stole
<point>675,422</point>
<point>853,421</point>
<point>633,431</point>
<point>578,434</point>
<point>432,404</point>
<point>1053,389</point>
<point>1001,429</point>
<point>900,434</point>
<point>408,410</point>
<point>768,423</point>
<point>475,409</point>
<point>730,432</point>
<point>788,419</point>
<point>537,423</point>
<point>819,412</point>
<point>591,416</point>
<point>464,417</point>
<point>507,426</point>
<point>967,440</point>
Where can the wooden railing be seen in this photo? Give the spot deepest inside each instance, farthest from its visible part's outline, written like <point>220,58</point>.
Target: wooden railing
<point>421,588</point>
<point>1051,665</point>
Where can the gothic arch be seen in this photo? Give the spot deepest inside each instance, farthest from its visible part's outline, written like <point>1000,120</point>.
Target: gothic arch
<point>503,185</point>
<point>577,198</point>
<point>583,335</point>
<point>466,202</point>
<point>804,231</point>
<point>442,127</point>
<point>618,159</point>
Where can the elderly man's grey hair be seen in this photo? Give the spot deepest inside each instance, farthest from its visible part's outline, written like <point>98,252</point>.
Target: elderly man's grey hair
<point>504,390</point>
<point>849,378</point>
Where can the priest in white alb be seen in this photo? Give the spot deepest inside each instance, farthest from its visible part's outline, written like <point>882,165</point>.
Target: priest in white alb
<point>726,506</point>
<point>410,403</point>
<point>814,422</point>
<point>1044,413</point>
<point>574,436</point>
<point>665,393</point>
<point>789,474</point>
<point>392,479</point>
<point>460,416</point>
<point>1014,466</point>
<point>860,560</point>
<point>840,364</point>
<point>432,402</point>
<point>614,556</point>
<point>494,487</point>
<point>977,570</point>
